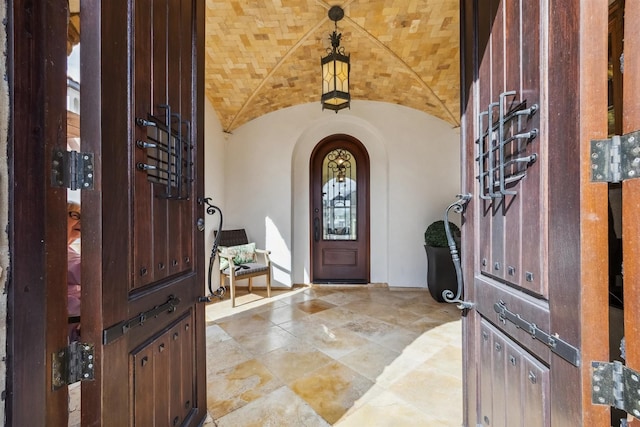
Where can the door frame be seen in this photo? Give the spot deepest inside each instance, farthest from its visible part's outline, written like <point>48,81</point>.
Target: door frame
<point>37,40</point>
<point>363,197</point>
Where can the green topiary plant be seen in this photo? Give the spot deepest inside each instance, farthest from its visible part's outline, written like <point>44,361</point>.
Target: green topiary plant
<point>436,236</point>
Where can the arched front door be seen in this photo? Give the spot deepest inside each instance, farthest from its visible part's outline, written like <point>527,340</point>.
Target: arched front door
<point>339,211</point>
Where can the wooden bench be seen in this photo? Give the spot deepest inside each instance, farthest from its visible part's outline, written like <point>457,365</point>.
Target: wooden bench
<point>229,243</point>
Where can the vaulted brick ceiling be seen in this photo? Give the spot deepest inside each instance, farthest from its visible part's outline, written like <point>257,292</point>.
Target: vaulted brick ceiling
<point>264,55</point>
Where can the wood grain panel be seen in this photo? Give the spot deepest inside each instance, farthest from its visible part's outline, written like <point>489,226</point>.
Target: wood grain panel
<point>339,257</point>
<point>143,263</point>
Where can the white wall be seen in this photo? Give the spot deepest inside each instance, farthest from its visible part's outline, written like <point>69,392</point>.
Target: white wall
<point>415,174</point>
<point>214,179</point>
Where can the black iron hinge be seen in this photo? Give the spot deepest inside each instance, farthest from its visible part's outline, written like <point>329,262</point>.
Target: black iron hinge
<point>71,364</point>
<point>72,170</point>
<point>614,384</point>
<point>615,159</point>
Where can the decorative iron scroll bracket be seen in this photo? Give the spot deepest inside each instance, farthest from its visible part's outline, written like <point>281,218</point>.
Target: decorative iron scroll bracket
<point>500,147</point>
<point>616,159</point>
<point>116,331</point>
<point>557,345</point>
<point>458,207</point>
<point>211,210</point>
<point>614,384</point>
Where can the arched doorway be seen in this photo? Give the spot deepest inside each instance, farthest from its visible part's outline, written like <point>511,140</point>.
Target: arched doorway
<point>340,235</point>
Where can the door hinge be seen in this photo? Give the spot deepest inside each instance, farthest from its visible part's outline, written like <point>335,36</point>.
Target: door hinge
<point>72,170</point>
<point>71,364</point>
<point>613,384</point>
<point>615,159</point>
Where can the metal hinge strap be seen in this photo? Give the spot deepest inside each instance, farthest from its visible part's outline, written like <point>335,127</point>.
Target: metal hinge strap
<point>615,159</point>
<point>116,331</point>
<point>72,170</point>
<point>614,384</point>
<point>560,347</point>
<point>72,364</point>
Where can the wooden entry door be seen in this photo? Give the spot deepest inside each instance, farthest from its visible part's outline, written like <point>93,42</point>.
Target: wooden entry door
<point>535,231</point>
<point>339,180</point>
<point>142,117</point>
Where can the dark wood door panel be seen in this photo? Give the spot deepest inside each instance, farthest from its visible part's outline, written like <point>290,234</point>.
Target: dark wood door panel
<point>159,367</point>
<point>511,248</point>
<point>515,384</point>
<point>152,141</point>
<point>489,293</point>
<point>519,250</point>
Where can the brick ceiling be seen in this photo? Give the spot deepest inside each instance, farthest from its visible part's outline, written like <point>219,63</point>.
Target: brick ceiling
<point>264,55</point>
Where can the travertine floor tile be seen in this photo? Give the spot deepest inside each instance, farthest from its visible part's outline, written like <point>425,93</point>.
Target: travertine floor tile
<point>370,360</point>
<point>323,355</point>
<point>278,409</point>
<point>331,390</point>
<point>295,361</point>
<point>233,387</point>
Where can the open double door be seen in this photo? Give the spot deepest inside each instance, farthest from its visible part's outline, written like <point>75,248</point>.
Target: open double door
<point>535,239</point>
<point>142,137</point>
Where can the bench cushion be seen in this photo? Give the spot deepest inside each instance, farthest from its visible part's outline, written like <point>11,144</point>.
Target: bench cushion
<point>249,268</point>
<point>241,254</point>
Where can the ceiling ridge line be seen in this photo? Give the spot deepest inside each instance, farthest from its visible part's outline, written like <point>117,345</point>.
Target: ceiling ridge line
<point>280,62</point>
<point>273,70</point>
<point>385,47</point>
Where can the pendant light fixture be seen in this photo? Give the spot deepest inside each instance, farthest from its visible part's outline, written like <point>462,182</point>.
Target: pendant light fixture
<point>335,69</point>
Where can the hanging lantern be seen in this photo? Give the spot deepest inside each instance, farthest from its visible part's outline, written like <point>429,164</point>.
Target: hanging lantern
<point>335,69</point>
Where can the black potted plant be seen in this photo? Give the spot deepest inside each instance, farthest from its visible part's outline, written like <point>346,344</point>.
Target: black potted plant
<point>441,272</point>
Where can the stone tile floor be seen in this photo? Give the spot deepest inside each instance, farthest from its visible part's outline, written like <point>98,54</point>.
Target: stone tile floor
<point>345,356</point>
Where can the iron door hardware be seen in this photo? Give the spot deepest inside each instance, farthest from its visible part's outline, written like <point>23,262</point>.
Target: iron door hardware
<point>72,364</point>
<point>614,384</point>
<point>72,170</point>
<point>501,147</point>
<point>615,159</point>
<point>316,229</point>
<point>116,331</point>
<point>169,153</point>
<point>562,348</point>
<point>458,207</point>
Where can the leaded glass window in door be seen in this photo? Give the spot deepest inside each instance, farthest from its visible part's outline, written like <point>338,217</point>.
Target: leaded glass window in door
<point>339,201</point>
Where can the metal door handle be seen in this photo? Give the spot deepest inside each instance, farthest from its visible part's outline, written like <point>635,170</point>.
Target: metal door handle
<point>316,229</point>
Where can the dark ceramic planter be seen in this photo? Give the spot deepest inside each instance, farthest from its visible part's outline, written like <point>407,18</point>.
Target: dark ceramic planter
<point>441,273</point>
